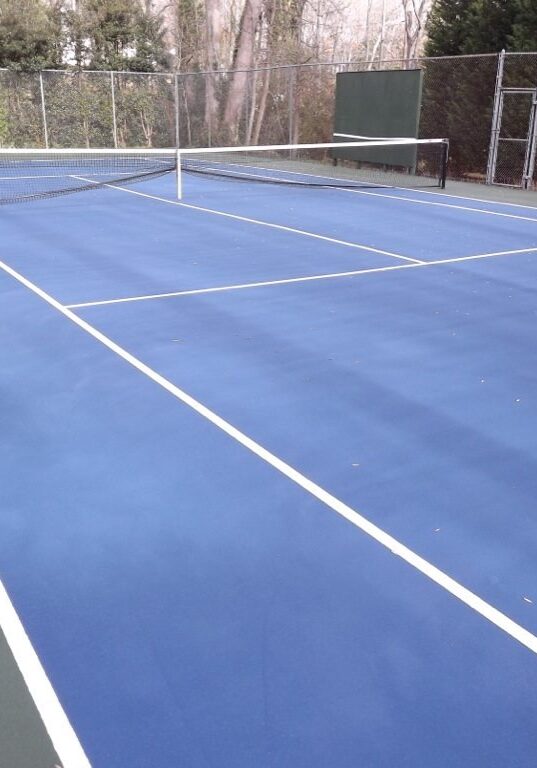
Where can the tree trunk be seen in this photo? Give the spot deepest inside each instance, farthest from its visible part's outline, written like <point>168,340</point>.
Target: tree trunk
<point>213,39</point>
<point>415,12</point>
<point>242,60</point>
<point>253,107</point>
<point>262,106</point>
<point>270,15</point>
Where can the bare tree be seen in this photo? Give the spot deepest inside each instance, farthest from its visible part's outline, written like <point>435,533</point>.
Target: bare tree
<point>323,26</point>
<point>257,114</point>
<point>187,32</point>
<point>367,28</point>
<point>243,59</point>
<point>415,14</point>
<point>213,38</point>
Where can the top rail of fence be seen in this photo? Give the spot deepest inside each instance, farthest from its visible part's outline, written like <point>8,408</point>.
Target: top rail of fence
<point>304,65</point>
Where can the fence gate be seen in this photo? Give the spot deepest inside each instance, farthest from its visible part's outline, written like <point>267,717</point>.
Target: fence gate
<point>514,138</point>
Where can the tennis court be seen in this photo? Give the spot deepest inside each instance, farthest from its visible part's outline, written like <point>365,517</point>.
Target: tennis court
<point>269,475</point>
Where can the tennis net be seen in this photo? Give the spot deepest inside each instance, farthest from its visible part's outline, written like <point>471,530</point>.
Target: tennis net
<point>341,164</point>
<point>31,174</point>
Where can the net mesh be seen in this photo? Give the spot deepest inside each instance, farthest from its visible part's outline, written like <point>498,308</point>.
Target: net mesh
<point>362,164</point>
<point>33,174</point>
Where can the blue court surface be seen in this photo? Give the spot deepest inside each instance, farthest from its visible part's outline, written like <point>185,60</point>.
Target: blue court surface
<point>268,476</point>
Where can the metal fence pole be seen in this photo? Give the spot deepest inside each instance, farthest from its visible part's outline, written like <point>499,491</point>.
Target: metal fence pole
<point>176,101</point>
<point>114,120</point>
<point>291,98</point>
<point>529,166</point>
<point>43,110</point>
<point>496,121</point>
<point>210,112</point>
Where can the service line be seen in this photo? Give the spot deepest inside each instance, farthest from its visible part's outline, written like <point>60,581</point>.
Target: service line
<point>290,280</point>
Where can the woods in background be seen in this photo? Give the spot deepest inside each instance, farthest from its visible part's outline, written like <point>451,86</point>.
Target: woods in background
<point>196,35</point>
<point>481,26</point>
<point>223,50</point>
<point>201,36</point>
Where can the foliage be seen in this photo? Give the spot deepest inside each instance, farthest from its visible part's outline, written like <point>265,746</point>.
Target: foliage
<point>21,122</point>
<point>458,95</point>
<point>489,25</point>
<point>447,27</point>
<point>189,32</point>
<point>4,126</point>
<point>461,104</point>
<point>79,109</point>
<point>272,105</point>
<point>145,110</point>
<point>481,26</point>
<point>28,35</point>
<point>524,32</point>
<point>116,34</point>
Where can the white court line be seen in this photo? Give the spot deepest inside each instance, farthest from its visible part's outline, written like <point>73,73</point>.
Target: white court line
<point>57,725</point>
<point>269,224</point>
<point>286,281</point>
<point>415,200</point>
<point>365,190</point>
<point>356,183</point>
<point>241,286</point>
<point>474,199</point>
<point>323,237</point>
<point>369,185</point>
<point>329,181</point>
<point>429,570</point>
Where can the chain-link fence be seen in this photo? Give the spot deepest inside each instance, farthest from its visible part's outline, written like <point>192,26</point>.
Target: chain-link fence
<point>283,104</point>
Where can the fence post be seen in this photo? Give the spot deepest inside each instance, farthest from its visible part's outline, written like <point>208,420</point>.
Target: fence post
<point>532,145</point>
<point>114,120</point>
<point>43,109</point>
<point>496,121</point>
<point>291,97</point>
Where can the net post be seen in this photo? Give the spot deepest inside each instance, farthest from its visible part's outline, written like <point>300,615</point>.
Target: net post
<point>178,176</point>
<point>445,160</point>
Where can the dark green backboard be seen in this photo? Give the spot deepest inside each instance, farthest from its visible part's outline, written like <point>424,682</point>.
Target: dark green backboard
<point>381,104</point>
